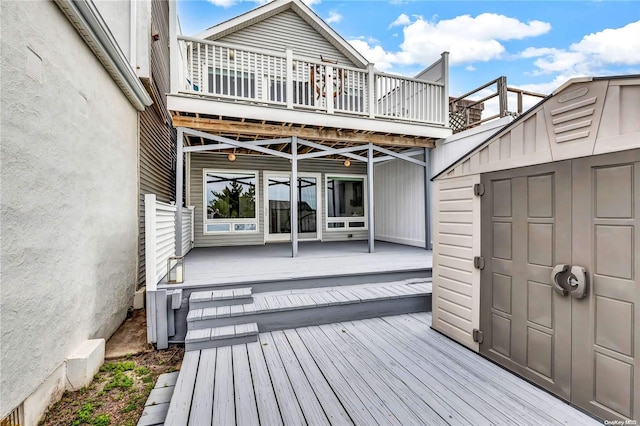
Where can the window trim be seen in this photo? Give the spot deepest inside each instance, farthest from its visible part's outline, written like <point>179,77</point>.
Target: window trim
<point>345,220</point>
<point>231,222</point>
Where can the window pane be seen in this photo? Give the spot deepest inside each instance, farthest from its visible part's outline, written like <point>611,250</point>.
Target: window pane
<point>231,195</point>
<point>345,197</point>
<point>245,227</point>
<point>356,224</point>
<point>334,225</point>
<point>218,227</point>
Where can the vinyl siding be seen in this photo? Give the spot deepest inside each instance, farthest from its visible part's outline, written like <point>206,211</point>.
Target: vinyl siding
<point>456,240</point>
<point>399,202</point>
<point>157,137</point>
<point>287,29</point>
<point>200,161</point>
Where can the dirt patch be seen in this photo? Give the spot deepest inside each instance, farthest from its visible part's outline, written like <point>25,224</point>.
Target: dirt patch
<point>118,392</point>
<point>131,337</point>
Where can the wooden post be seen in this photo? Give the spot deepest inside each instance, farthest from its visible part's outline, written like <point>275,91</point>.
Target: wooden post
<point>289,77</point>
<point>293,187</point>
<point>427,199</point>
<point>502,96</point>
<point>371,90</point>
<point>370,196</point>
<point>179,183</point>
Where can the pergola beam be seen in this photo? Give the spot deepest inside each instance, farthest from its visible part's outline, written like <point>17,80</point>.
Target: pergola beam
<point>325,148</point>
<point>229,143</point>
<point>400,156</point>
<point>313,133</point>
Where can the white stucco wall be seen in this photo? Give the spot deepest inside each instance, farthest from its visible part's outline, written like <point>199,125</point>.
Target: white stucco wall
<point>68,197</point>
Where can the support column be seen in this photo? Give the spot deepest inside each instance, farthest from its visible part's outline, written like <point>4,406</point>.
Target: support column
<point>179,183</point>
<point>293,206</point>
<point>370,196</point>
<point>427,199</point>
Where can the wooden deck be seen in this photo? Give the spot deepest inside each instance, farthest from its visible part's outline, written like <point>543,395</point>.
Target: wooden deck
<point>392,370</point>
<point>273,262</point>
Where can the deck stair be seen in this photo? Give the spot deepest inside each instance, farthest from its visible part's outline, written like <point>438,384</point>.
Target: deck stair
<point>228,317</point>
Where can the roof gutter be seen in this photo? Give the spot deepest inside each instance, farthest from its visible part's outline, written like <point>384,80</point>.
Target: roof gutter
<point>87,20</point>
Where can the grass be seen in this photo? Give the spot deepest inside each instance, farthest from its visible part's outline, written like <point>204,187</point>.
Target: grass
<point>118,392</point>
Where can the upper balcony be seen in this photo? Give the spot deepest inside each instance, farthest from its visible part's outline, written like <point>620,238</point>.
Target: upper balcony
<point>229,81</point>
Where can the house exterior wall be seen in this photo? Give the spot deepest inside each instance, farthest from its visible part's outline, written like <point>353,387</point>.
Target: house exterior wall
<point>157,136</point>
<point>399,203</point>
<point>261,163</point>
<point>287,29</point>
<point>69,199</point>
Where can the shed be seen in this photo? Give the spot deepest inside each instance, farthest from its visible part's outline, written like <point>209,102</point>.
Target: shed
<point>536,260</point>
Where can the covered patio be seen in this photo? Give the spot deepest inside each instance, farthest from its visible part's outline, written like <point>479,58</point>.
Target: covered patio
<point>225,266</point>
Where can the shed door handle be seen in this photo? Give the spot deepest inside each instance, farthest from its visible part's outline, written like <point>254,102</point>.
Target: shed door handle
<point>578,282</point>
<point>563,290</point>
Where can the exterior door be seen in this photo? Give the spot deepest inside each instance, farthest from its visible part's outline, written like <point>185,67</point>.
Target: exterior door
<point>278,204</point>
<point>526,230</point>
<point>580,337</point>
<point>606,323</point>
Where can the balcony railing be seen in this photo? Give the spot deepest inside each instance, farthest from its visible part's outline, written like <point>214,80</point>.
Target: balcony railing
<point>278,78</point>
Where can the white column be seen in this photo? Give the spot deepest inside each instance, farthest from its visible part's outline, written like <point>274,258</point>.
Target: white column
<point>371,92</point>
<point>179,183</point>
<point>173,47</point>
<point>293,206</point>
<point>370,196</point>
<point>427,199</point>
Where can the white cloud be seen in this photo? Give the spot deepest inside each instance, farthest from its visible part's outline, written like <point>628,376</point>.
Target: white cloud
<point>334,17</point>
<point>613,45</point>
<point>311,2</point>
<point>403,19</point>
<point>593,55</point>
<point>222,3</point>
<point>383,60</point>
<point>467,38</point>
<point>470,68</point>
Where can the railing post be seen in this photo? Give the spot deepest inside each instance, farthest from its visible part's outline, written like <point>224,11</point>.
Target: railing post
<point>502,96</point>
<point>371,92</point>
<point>445,80</point>
<point>328,90</point>
<point>293,205</point>
<point>289,77</point>
<point>150,262</point>
<point>173,47</point>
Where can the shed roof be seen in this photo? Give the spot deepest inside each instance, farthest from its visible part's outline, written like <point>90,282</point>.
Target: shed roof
<point>275,7</point>
<point>574,118</point>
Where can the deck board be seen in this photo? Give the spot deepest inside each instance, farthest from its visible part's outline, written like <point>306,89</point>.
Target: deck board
<point>245,398</point>
<point>392,370</point>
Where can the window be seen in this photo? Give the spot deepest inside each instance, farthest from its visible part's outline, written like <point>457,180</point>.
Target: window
<point>230,200</point>
<point>232,83</point>
<point>346,202</point>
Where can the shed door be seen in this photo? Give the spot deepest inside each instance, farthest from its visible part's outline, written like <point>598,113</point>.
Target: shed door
<point>606,323</point>
<point>526,230</point>
<point>584,213</point>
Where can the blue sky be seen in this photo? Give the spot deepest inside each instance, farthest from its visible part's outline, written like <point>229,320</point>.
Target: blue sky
<point>537,44</point>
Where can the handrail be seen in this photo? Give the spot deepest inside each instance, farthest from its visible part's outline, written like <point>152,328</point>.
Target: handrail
<point>225,70</point>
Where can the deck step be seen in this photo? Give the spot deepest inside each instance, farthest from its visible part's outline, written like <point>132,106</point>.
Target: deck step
<point>207,338</point>
<point>214,298</point>
<point>296,308</point>
<point>157,405</point>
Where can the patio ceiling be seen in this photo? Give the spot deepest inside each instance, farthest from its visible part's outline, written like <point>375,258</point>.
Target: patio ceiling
<point>241,129</point>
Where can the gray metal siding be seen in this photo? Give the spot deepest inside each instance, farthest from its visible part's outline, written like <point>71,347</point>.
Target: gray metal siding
<point>157,145</point>
<point>200,161</point>
<point>287,29</point>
